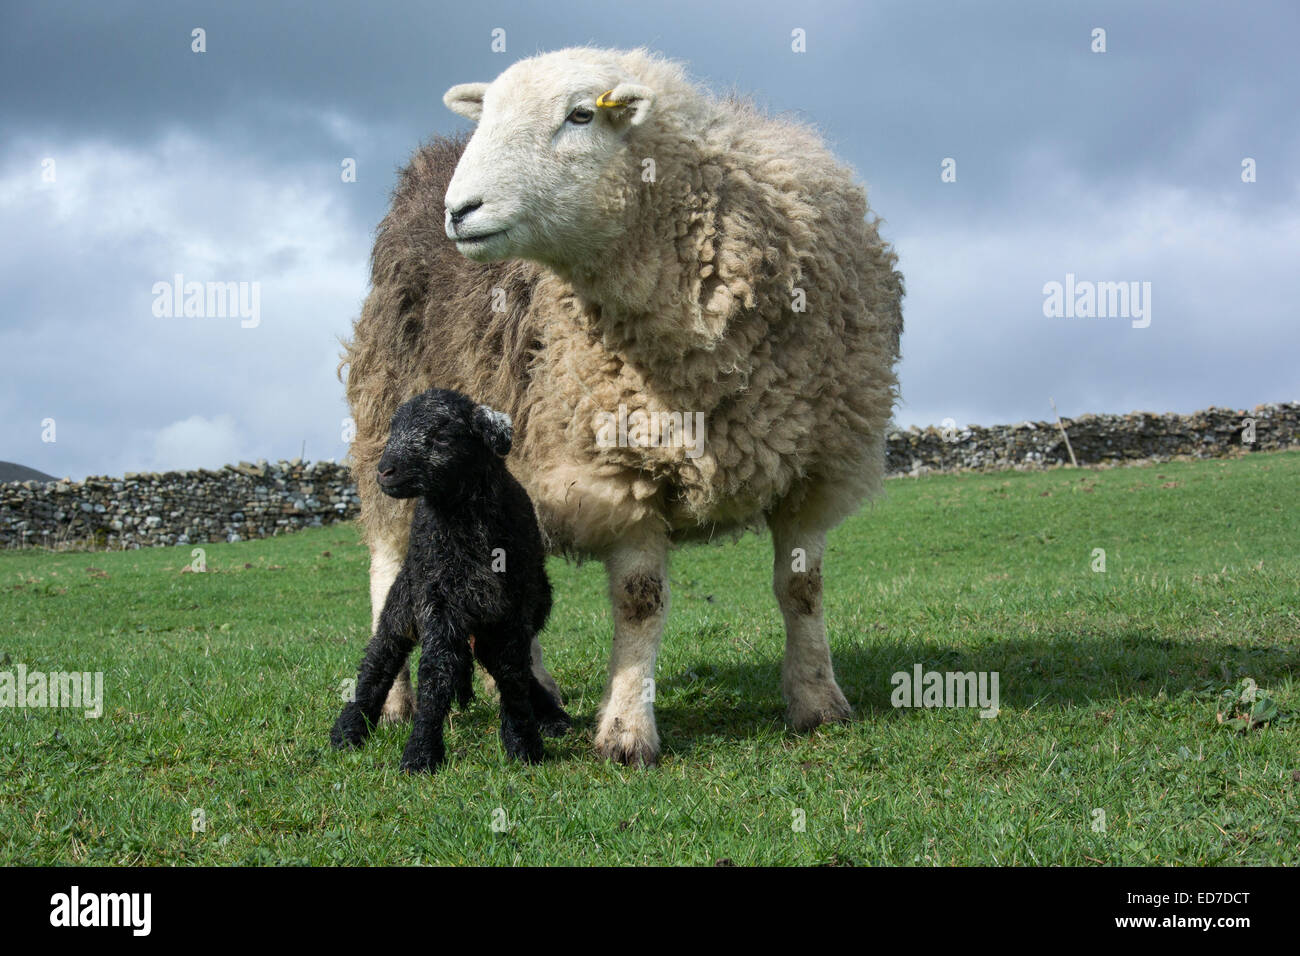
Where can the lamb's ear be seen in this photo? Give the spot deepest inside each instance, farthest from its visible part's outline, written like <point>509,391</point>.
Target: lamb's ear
<point>495,428</point>
<point>466,99</point>
<point>630,100</point>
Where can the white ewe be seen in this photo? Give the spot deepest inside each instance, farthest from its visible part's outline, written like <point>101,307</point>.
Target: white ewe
<point>640,252</point>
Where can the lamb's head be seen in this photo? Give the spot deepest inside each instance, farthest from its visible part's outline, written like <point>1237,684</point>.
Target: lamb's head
<point>552,168</point>
<point>439,442</point>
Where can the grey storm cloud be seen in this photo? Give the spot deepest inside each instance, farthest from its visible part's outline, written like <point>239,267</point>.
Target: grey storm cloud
<point>225,166</point>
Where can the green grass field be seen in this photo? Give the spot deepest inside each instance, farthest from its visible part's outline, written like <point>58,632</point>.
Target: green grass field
<point>220,689</point>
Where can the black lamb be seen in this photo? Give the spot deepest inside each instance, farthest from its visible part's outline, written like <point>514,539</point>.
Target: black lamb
<point>473,583</point>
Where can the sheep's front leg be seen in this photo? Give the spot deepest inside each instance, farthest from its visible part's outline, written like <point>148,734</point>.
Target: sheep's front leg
<point>638,589</point>
<point>807,679</point>
<point>386,654</point>
<point>444,658</point>
<point>386,558</point>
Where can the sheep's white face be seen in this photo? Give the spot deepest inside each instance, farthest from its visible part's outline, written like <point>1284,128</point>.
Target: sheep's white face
<point>547,174</point>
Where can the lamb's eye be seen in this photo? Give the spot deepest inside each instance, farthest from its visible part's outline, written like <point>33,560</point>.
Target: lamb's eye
<point>436,439</point>
<point>580,116</point>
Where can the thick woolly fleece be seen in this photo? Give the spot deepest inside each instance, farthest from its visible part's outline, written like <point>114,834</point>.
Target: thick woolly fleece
<point>749,285</point>
<point>475,566</point>
<point>666,252</point>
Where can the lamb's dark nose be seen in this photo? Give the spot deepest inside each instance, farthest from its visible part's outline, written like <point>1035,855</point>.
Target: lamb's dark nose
<point>465,209</point>
<point>386,472</point>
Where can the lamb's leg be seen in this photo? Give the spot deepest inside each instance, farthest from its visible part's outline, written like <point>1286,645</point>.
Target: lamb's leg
<point>543,677</point>
<point>504,654</point>
<point>807,679</point>
<point>385,562</point>
<point>386,654</point>
<point>638,588</point>
<point>444,658</point>
<point>553,718</point>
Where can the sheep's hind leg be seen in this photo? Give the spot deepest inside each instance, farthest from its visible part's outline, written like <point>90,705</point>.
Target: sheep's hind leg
<point>807,678</point>
<point>400,705</point>
<point>638,587</point>
<point>385,563</point>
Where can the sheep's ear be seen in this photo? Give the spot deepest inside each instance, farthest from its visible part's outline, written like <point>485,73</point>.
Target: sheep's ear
<point>630,100</point>
<point>495,428</point>
<point>466,99</point>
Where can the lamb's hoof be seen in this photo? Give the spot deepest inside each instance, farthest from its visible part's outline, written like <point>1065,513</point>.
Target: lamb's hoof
<point>622,743</point>
<point>420,766</point>
<point>522,744</point>
<point>555,724</point>
<point>530,752</point>
<point>399,708</point>
<point>422,761</point>
<point>817,704</point>
<point>350,730</point>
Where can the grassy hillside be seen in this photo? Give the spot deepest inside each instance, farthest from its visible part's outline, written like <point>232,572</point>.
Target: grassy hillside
<point>220,688</point>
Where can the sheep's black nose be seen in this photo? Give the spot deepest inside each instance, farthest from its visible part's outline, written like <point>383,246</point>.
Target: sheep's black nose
<point>458,214</point>
<point>385,472</point>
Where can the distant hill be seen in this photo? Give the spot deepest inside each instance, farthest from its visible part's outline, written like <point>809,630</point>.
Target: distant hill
<point>11,472</point>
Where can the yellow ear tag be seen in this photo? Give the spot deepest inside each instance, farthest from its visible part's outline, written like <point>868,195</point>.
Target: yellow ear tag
<point>605,104</point>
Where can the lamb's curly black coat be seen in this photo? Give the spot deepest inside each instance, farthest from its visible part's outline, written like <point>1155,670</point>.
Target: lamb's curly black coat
<point>473,583</point>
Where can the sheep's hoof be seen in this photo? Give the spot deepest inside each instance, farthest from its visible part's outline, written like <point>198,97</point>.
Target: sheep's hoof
<point>399,707</point>
<point>817,705</point>
<point>622,744</point>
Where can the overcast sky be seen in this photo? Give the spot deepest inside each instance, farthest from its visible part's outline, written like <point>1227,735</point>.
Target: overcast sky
<point>1122,166</point>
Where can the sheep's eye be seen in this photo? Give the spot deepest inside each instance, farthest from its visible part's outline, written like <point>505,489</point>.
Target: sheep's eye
<point>437,439</point>
<point>581,116</point>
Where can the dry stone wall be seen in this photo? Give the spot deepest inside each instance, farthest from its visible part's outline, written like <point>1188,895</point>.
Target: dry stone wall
<point>263,499</point>
<point>177,507</point>
<point>1096,440</point>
